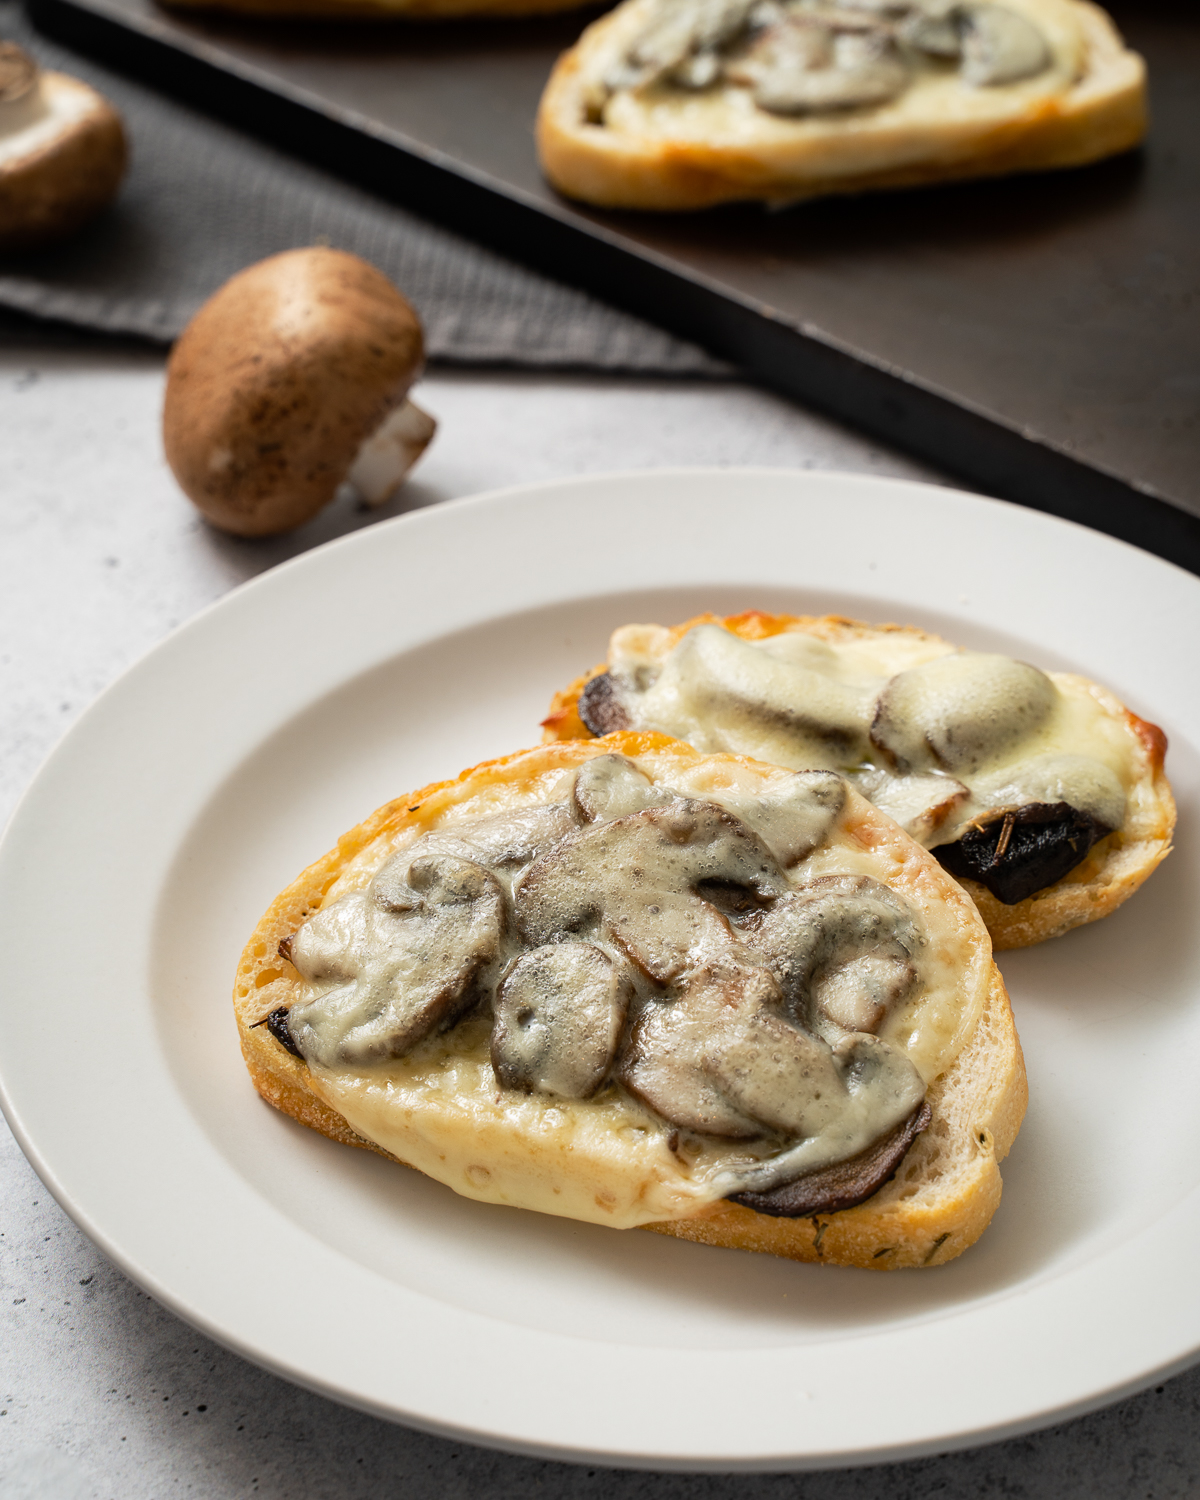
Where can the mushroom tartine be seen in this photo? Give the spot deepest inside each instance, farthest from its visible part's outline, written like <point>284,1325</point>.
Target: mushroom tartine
<point>678,104</point>
<point>634,985</point>
<point>290,381</point>
<point>1039,791</point>
<point>62,152</point>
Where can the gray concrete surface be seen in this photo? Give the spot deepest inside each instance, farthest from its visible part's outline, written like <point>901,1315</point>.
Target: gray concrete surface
<point>103,1394</point>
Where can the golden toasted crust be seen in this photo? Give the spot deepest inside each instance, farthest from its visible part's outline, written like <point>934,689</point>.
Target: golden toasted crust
<point>1110,874</point>
<point>1116,866</point>
<point>1103,113</point>
<point>61,184</point>
<point>945,1191</point>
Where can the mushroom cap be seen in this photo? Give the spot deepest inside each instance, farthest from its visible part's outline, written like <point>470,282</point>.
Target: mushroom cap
<point>62,156</point>
<point>277,381</point>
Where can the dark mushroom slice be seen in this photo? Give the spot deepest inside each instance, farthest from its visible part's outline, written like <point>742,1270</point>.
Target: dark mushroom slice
<point>1000,46</point>
<point>858,995</point>
<point>678,42</point>
<point>276,1023</point>
<point>611,786</point>
<point>721,1055</point>
<point>788,43</point>
<point>844,1184</point>
<point>633,881</point>
<point>1021,851</point>
<point>425,953</point>
<point>700,71</point>
<point>504,841</point>
<point>663,1060</point>
<point>332,944</point>
<point>791,73</point>
<point>1081,780</point>
<point>832,1100</point>
<point>957,712</point>
<point>733,901</point>
<point>558,1020</point>
<point>795,818</point>
<point>600,707</point>
<point>934,30</point>
<point>714,677</point>
<point>841,949</point>
<point>783,1077</point>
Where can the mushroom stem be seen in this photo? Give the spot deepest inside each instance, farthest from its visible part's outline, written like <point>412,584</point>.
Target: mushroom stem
<point>389,453</point>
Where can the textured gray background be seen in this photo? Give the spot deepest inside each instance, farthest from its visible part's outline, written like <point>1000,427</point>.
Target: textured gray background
<point>104,1395</point>
<point>201,201</point>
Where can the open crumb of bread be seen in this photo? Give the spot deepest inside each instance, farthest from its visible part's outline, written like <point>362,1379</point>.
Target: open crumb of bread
<point>450,1105</point>
<point>683,104</point>
<point>1112,869</point>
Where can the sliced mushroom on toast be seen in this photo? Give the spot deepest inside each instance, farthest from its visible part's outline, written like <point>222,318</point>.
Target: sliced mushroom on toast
<point>636,985</point>
<point>1039,790</point>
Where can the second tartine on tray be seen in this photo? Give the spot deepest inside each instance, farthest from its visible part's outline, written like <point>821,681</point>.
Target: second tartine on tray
<point>682,104</point>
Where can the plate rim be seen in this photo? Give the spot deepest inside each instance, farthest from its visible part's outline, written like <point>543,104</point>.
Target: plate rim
<point>268,583</point>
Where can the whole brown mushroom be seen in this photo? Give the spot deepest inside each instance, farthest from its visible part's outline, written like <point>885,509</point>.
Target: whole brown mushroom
<point>290,381</point>
<point>62,152</point>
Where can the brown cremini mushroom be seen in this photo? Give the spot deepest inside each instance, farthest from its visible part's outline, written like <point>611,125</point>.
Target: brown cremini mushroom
<point>845,1183</point>
<point>558,1019</point>
<point>291,380</point>
<point>62,152</point>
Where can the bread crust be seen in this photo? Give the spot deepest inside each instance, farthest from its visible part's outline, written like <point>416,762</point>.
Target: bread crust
<point>1111,873</point>
<point>948,1185</point>
<point>1102,113</point>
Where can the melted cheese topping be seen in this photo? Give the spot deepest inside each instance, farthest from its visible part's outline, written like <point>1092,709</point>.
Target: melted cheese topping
<point>938,117</point>
<point>609,1159</point>
<point>798,701</point>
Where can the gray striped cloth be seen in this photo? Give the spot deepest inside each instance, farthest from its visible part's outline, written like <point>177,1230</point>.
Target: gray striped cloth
<point>202,200</point>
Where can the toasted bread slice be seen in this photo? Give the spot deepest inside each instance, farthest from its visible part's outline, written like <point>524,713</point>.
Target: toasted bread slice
<point>618,128</point>
<point>610,1158</point>
<point>1115,865</point>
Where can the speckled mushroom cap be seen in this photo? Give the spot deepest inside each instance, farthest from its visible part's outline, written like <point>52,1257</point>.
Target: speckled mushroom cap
<point>276,382</point>
<point>62,152</point>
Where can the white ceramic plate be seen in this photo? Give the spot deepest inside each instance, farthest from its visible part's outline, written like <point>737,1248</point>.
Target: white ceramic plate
<point>236,752</point>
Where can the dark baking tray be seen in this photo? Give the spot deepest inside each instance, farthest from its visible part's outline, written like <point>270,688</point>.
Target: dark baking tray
<point>1039,336</point>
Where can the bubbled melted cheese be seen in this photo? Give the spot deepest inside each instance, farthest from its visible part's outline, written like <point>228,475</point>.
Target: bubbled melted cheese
<point>608,1160</point>
<point>713,698</point>
<point>937,118</point>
